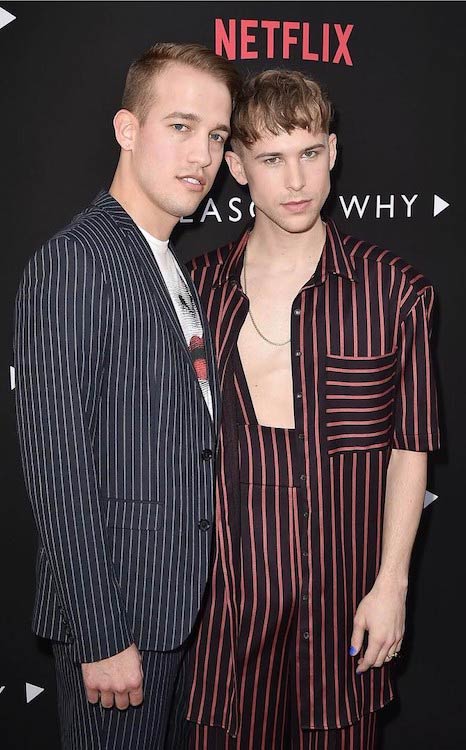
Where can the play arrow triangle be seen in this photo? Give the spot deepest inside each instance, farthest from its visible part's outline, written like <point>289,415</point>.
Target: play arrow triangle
<point>32,691</point>
<point>429,498</point>
<point>5,18</point>
<point>439,205</point>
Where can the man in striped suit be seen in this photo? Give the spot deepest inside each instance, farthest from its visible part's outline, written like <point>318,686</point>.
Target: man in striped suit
<point>329,409</point>
<point>118,408</point>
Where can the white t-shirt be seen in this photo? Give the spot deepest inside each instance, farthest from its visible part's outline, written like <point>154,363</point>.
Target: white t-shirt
<point>185,308</point>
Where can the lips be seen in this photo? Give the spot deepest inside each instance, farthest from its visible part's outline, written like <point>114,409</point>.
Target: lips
<point>296,203</point>
<point>195,180</point>
<point>296,206</point>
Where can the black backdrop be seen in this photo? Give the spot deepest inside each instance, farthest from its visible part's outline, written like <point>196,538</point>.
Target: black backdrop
<point>396,74</point>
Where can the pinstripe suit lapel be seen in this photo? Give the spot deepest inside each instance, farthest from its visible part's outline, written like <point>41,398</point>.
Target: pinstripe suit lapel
<point>145,259</point>
<point>149,267</point>
<point>152,273</point>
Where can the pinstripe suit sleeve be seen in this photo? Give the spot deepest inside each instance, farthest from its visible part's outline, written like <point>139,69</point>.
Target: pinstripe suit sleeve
<point>61,328</point>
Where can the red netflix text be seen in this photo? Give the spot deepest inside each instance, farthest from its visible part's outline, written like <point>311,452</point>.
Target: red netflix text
<point>325,42</point>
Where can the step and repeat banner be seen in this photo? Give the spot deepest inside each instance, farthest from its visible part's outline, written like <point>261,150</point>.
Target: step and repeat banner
<point>395,72</point>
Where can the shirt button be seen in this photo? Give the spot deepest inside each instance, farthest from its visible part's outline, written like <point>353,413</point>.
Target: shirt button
<point>206,454</point>
<point>303,477</point>
<point>297,311</point>
<point>306,514</point>
<point>305,554</point>
<point>301,435</point>
<point>297,354</point>
<point>305,597</point>
<point>234,282</point>
<point>204,524</point>
<point>306,635</point>
<point>299,395</point>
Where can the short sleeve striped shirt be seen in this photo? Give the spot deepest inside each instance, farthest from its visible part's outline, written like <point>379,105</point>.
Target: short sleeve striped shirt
<point>363,384</point>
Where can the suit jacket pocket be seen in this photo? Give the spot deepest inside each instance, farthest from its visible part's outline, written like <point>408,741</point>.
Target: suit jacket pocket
<point>141,515</point>
<point>359,402</point>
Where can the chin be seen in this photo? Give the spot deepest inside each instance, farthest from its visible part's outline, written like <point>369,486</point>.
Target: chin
<point>298,227</point>
<point>180,210</point>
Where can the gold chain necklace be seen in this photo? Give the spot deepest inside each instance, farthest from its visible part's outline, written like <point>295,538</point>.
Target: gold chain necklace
<point>274,343</point>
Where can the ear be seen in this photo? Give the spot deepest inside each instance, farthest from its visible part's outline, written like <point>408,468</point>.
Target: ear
<point>235,165</point>
<point>332,147</point>
<point>126,127</point>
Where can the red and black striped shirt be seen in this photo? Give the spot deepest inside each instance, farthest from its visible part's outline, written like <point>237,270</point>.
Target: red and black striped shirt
<point>363,384</point>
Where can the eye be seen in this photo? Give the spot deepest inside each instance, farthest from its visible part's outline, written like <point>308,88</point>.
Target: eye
<point>310,154</point>
<point>179,127</point>
<point>217,137</point>
<point>272,160</point>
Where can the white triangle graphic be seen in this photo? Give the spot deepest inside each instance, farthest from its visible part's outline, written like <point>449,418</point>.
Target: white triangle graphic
<point>429,498</point>
<point>5,18</point>
<point>2,688</point>
<point>439,205</point>
<point>12,377</point>
<point>32,691</point>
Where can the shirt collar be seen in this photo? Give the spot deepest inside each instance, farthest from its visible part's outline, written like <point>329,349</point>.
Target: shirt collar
<point>334,260</point>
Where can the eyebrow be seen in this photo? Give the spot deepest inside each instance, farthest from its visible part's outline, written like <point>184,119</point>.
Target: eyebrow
<point>190,116</point>
<point>280,153</point>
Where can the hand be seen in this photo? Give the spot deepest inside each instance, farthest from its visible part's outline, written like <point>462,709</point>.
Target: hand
<point>382,613</point>
<point>116,680</point>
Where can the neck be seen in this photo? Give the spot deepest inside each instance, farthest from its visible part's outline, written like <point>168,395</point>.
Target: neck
<point>274,247</point>
<point>138,205</point>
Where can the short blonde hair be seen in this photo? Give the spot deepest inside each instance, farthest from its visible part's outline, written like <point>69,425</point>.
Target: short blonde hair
<point>279,100</point>
<point>138,95</point>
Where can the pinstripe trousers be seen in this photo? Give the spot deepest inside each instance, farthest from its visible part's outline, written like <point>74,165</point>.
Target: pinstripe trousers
<point>84,726</point>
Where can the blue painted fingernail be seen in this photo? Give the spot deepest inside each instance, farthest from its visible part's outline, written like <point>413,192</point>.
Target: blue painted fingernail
<point>353,650</point>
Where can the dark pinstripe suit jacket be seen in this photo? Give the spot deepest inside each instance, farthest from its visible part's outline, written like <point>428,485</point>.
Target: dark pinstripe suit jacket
<point>116,440</point>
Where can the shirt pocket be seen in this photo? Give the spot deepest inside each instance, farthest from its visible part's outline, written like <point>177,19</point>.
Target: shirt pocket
<point>141,515</point>
<point>359,402</point>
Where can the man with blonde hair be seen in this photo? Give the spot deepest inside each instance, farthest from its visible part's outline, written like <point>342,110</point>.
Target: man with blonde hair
<point>117,404</point>
<point>329,409</point>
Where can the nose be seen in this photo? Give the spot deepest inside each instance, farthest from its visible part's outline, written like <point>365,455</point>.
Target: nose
<point>295,179</point>
<point>199,150</point>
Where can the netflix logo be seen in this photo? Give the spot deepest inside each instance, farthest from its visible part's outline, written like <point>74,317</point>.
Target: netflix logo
<point>324,42</point>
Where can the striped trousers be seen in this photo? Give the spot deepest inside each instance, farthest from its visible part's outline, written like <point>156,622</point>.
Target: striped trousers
<point>359,736</point>
<point>85,726</point>
<point>186,735</point>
